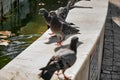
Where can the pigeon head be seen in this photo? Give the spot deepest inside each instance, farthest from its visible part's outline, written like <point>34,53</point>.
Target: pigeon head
<point>74,40</point>
<point>52,14</point>
<point>73,44</point>
<point>43,11</point>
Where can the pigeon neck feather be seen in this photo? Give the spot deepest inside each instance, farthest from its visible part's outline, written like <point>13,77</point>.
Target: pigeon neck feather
<point>73,46</point>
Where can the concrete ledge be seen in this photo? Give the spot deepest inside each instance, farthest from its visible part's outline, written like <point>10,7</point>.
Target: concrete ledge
<point>91,22</point>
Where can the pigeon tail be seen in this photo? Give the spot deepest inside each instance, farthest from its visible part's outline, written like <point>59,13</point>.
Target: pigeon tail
<point>48,71</point>
<point>68,29</point>
<point>62,12</point>
<point>68,5</point>
<point>46,75</point>
<point>71,3</point>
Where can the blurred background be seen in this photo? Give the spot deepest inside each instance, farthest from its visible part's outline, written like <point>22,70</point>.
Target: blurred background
<point>20,25</point>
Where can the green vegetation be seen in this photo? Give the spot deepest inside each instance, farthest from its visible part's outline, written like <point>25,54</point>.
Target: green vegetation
<point>32,24</point>
<point>4,60</point>
<point>36,25</point>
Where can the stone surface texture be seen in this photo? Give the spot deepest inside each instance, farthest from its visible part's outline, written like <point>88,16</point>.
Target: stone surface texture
<point>111,53</point>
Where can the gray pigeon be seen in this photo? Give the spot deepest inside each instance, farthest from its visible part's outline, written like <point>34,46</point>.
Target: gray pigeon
<point>61,12</point>
<point>60,28</point>
<point>63,60</point>
<point>45,13</point>
<point>47,17</point>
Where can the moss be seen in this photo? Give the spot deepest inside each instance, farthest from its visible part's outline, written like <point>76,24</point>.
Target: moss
<point>36,26</point>
<point>4,60</point>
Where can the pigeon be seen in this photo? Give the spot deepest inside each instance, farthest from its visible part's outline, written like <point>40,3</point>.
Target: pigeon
<point>62,12</point>
<point>63,60</point>
<point>73,2</point>
<point>60,28</point>
<point>45,13</point>
<point>47,17</point>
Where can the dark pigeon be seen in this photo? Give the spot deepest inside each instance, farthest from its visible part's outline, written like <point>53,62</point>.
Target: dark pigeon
<point>63,60</point>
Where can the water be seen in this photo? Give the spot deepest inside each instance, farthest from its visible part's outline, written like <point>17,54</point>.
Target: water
<point>27,30</point>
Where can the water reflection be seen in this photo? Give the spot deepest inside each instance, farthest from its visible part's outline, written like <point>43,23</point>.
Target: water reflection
<point>17,45</point>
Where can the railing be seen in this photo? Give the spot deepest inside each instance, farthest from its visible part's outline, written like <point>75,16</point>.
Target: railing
<point>91,21</point>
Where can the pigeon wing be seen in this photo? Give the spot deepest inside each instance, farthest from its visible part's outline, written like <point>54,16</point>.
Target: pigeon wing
<point>68,29</point>
<point>67,58</point>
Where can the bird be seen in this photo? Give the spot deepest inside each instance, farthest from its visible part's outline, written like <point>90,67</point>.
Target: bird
<point>62,12</point>
<point>62,60</point>
<point>47,17</point>
<point>60,28</point>
<point>73,2</point>
<point>45,13</point>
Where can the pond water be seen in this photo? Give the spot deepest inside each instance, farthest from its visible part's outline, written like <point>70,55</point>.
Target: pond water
<point>28,31</point>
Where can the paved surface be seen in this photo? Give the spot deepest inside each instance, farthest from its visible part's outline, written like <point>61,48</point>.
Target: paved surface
<point>111,53</point>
